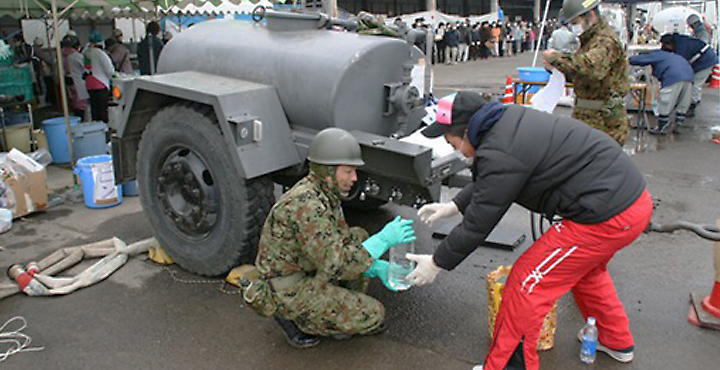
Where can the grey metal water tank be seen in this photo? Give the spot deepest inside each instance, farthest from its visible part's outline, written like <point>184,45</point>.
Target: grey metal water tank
<point>324,78</point>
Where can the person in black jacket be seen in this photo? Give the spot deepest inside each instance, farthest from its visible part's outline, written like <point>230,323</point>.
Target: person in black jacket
<point>452,38</point>
<point>557,166</point>
<point>702,58</point>
<point>149,49</point>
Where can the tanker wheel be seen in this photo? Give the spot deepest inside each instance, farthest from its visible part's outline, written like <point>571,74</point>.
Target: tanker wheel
<point>203,212</point>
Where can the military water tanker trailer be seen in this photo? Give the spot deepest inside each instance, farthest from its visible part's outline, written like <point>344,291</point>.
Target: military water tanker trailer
<point>232,111</point>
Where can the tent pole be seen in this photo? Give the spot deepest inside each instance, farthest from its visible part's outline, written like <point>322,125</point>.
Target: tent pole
<point>542,31</point>
<point>63,93</point>
<point>429,44</point>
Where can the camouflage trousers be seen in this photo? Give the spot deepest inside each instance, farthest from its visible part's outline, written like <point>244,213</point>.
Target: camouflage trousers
<point>322,307</point>
<point>615,123</point>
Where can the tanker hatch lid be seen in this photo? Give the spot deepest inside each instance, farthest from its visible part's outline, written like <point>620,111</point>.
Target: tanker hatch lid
<point>284,21</point>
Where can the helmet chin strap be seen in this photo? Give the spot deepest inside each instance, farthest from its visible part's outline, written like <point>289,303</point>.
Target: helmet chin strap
<point>327,173</point>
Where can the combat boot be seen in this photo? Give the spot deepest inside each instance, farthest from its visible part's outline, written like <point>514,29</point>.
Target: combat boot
<point>295,337</point>
<point>691,111</point>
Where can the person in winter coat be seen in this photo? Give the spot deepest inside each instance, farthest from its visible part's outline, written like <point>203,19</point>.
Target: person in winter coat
<point>119,52</point>
<point>464,31</point>
<point>676,77</point>
<point>702,58</point>
<point>75,68</point>
<point>698,27</point>
<point>149,49</point>
<point>557,166</point>
<point>99,71</point>
<point>452,37</point>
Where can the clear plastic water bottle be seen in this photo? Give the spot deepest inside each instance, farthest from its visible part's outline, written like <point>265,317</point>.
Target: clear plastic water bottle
<point>400,266</point>
<point>588,341</point>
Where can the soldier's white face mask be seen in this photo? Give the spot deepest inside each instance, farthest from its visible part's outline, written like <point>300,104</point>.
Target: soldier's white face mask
<point>577,29</point>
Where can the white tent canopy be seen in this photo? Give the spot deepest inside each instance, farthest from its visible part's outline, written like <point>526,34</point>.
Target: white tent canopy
<point>219,7</point>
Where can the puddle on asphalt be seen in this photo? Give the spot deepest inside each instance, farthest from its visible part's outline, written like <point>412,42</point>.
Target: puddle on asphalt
<point>641,141</point>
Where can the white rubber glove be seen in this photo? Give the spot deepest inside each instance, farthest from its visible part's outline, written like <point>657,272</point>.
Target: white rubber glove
<point>425,271</point>
<point>434,211</point>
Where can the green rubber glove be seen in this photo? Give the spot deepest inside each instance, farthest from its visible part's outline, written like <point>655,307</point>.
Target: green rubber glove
<point>395,232</point>
<point>379,269</point>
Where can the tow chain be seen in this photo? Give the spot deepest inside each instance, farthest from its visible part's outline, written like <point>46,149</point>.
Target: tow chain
<point>709,232</point>
<point>223,284</point>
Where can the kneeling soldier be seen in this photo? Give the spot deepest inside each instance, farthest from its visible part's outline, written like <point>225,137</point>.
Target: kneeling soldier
<point>315,263</point>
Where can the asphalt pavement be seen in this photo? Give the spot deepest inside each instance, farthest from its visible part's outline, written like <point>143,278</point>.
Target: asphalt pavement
<point>146,316</point>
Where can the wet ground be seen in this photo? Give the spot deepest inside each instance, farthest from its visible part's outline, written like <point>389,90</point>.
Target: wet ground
<point>150,317</point>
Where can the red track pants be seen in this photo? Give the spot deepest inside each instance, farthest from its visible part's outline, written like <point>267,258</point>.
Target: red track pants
<point>569,256</point>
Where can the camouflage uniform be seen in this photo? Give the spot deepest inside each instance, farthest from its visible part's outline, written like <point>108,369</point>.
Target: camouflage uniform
<point>599,72</point>
<point>306,232</point>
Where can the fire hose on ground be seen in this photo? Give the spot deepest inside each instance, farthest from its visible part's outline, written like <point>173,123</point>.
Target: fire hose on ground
<point>36,278</point>
<point>709,232</point>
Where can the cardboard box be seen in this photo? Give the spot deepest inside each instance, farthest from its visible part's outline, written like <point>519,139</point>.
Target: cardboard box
<point>25,184</point>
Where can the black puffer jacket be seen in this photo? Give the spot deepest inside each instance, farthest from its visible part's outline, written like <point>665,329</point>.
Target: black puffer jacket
<point>548,164</point>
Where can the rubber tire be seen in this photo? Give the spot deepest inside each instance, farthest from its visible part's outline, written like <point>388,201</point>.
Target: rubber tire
<point>243,204</point>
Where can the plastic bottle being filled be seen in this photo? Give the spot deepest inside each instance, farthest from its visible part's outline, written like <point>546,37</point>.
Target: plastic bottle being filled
<point>588,341</point>
<point>400,266</point>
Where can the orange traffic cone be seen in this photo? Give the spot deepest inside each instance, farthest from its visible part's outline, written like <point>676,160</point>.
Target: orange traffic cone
<point>715,81</point>
<point>705,312</point>
<point>508,97</point>
<point>711,304</point>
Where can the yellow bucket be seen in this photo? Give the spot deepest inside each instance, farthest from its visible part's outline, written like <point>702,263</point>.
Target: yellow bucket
<point>495,285</point>
<point>41,139</point>
<point>17,137</point>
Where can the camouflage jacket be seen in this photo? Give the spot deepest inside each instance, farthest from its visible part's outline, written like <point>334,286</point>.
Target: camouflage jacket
<point>599,68</point>
<point>306,231</point>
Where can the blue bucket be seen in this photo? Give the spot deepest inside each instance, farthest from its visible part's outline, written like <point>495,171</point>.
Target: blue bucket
<point>130,188</point>
<point>57,138</point>
<point>98,181</point>
<point>89,139</point>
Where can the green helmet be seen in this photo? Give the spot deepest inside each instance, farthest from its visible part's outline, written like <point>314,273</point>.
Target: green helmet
<point>334,146</point>
<point>571,9</point>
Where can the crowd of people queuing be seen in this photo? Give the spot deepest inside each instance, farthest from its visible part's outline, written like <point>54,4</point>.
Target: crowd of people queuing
<point>460,41</point>
<point>89,67</point>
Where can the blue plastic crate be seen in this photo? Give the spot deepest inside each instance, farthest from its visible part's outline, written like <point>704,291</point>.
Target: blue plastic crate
<point>533,74</point>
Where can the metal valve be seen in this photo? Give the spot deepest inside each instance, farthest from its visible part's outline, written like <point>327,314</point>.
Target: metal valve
<point>370,188</point>
<point>419,202</point>
<point>395,195</point>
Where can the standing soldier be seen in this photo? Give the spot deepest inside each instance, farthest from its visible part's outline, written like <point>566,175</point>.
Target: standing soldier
<point>316,264</point>
<point>598,69</point>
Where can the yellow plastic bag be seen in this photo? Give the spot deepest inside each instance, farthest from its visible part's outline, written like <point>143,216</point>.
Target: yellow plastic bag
<point>495,285</point>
